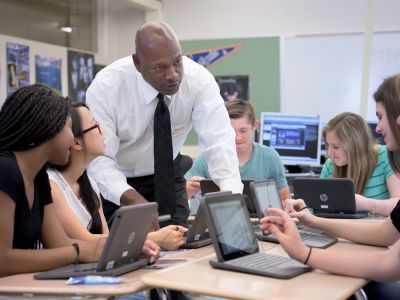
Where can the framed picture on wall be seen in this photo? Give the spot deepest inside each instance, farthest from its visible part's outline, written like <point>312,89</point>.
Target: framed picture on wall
<point>233,87</point>
<point>80,74</point>
<point>17,67</point>
<point>48,71</point>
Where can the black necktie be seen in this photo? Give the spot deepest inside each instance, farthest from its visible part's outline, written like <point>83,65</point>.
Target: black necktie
<point>164,183</point>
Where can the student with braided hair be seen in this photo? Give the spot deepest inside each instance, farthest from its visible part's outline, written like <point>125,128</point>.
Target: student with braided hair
<point>35,129</point>
<point>76,195</point>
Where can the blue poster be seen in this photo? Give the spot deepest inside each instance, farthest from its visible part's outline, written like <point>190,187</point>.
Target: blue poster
<point>48,71</point>
<point>208,57</point>
<point>17,67</point>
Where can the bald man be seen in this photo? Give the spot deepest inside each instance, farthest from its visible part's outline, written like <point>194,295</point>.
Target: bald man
<point>123,99</point>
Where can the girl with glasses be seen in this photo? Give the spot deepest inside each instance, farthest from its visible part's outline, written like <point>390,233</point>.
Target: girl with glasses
<point>76,195</point>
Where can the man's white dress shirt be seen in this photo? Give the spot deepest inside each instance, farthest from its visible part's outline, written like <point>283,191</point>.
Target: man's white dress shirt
<point>124,104</point>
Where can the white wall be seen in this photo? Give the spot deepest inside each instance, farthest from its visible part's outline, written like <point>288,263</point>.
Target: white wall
<point>118,21</point>
<point>213,19</point>
<point>34,48</point>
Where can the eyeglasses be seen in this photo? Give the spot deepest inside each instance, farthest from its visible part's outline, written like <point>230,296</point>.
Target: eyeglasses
<point>89,129</point>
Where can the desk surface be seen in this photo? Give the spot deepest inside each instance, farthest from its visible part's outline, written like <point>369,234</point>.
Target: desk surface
<point>199,277</point>
<point>24,284</point>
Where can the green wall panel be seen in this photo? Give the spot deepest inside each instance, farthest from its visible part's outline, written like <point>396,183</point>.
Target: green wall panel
<point>257,58</point>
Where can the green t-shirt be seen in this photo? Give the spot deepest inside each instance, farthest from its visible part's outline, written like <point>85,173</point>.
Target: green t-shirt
<point>376,187</point>
<point>264,163</point>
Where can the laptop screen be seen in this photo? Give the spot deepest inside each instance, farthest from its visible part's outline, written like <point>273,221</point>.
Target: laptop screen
<point>267,195</point>
<point>232,227</point>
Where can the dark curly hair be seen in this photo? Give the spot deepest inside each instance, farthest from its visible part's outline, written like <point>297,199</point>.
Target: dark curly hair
<point>31,116</point>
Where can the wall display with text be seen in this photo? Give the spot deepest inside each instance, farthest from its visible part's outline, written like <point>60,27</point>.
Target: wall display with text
<point>48,71</point>
<point>17,57</point>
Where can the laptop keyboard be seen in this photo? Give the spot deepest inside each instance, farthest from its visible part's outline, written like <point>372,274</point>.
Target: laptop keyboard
<point>259,261</point>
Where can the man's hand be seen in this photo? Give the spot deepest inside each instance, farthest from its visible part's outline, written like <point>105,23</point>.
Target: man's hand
<point>132,197</point>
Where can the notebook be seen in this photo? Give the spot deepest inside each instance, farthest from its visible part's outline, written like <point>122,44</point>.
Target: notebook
<point>265,195</point>
<point>235,243</point>
<point>121,253</point>
<point>208,186</point>
<point>329,198</point>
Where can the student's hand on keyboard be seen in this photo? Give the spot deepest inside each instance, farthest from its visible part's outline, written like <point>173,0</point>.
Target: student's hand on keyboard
<point>298,209</point>
<point>150,251</point>
<point>285,230</point>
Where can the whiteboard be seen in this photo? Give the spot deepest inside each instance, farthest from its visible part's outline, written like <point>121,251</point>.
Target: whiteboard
<point>321,75</point>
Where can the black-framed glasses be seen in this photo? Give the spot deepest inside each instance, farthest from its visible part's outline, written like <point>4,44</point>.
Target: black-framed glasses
<point>89,129</point>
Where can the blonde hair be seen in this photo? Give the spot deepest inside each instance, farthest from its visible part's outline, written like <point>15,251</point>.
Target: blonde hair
<point>356,138</point>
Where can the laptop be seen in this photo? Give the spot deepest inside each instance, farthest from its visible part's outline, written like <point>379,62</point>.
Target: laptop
<point>235,243</point>
<point>208,186</point>
<point>198,235</point>
<point>265,195</point>
<point>121,253</point>
<point>329,198</point>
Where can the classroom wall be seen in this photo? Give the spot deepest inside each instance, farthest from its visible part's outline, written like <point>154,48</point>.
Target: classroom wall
<point>210,19</point>
<point>263,73</point>
<point>34,48</point>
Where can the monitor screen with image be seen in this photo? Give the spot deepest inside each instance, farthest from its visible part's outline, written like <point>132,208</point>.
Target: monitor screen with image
<point>297,139</point>
<point>376,136</point>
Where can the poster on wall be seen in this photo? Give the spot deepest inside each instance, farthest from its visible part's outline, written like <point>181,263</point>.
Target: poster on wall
<point>48,71</point>
<point>209,57</point>
<point>233,87</point>
<point>17,57</point>
<point>80,74</point>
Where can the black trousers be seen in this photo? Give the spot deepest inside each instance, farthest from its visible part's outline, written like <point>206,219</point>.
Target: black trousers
<point>145,186</point>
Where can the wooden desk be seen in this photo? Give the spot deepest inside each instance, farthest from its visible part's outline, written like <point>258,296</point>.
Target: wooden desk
<point>24,284</point>
<point>200,278</point>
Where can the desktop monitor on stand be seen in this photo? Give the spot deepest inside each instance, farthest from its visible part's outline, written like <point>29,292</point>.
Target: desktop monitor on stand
<point>377,137</point>
<point>297,139</point>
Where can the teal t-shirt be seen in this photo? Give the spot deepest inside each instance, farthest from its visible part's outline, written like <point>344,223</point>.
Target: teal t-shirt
<point>264,163</point>
<point>376,187</point>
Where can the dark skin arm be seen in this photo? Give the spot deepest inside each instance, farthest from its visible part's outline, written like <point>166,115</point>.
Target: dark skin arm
<point>132,197</point>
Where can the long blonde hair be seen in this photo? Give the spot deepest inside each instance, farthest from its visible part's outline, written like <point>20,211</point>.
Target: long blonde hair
<point>356,138</point>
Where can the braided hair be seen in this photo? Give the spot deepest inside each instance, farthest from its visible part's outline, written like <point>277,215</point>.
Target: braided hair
<point>31,116</point>
<point>89,197</point>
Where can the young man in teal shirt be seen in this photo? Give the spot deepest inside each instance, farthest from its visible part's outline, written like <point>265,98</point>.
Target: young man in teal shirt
<point>256,162</point>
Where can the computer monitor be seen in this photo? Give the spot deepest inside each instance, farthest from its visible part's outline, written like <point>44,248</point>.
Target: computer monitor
<point>297,139</point>
<point>377,137</point>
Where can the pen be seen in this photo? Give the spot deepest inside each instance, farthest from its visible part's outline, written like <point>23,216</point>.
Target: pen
<point>164,218</point>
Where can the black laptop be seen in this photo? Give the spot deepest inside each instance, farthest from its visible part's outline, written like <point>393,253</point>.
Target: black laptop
<point>265,195</point>
<point>329,198</point>
<point>121,253</point>
<point>198,235</point>
<point>235,243</point>
<point>208,186</point>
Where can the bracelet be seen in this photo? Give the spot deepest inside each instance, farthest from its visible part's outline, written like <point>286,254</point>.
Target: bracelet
<point>303,208</point>
<point>308,256</point>
<point>76,246</point>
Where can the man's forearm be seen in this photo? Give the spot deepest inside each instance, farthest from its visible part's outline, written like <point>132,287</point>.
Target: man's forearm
<point>131,196</point>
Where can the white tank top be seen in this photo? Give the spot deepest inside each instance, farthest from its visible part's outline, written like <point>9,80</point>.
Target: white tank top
<point>73,202</point>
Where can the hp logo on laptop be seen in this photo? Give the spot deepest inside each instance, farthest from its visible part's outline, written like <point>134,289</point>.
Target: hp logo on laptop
<point>131,237</point>
<point>323,197</point>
